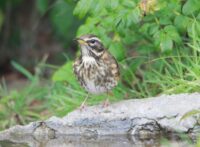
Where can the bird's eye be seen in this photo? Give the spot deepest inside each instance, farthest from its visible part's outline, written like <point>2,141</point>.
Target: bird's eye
<point>92,41</point>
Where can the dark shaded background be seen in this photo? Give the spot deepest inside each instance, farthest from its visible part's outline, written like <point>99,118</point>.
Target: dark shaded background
<point>31,29</point>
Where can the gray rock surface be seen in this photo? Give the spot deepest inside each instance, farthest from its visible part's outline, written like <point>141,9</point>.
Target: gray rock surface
<point>141,118</point>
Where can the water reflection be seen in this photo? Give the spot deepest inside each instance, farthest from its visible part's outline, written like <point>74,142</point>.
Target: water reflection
<point>84,141</point>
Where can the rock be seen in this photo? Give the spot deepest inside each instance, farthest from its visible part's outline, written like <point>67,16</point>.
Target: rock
<point>139,118</point>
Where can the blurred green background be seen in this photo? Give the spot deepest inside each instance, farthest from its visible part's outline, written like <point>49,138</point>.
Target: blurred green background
<point>156,43</point>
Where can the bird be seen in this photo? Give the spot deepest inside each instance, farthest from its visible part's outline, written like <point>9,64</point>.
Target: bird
<point>96,68</point>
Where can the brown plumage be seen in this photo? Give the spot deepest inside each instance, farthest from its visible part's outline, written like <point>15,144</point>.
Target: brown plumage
<point>96,69</point>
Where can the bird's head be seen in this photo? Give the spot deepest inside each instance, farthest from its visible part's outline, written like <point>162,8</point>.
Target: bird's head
<point>90,45</point>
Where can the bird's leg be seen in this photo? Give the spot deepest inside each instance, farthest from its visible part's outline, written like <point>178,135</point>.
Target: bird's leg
<point>83,103</point>
<point>106,103</point>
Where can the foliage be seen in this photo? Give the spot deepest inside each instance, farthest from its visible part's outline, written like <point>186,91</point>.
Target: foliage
<point>26,105</point>
<point>190,113</point>
<point>1,19</point>
<point>52,20</point>
<point>125,25</point>
<point>156,43</point>
<point>63,21</point>
<point>61,17</point>
<point>198,142</point>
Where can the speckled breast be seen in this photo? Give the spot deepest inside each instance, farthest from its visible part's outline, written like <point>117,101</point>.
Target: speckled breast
<point>95,77</point>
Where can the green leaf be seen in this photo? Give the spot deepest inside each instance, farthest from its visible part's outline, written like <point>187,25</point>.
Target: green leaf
<point>165,20</point>
<point>128,3</point>
<point>136,15</point>
<point>83,7</point>
<point>112,4</point>
<point>189,114</point>
<point>190,7</point>
<point>198,142</point>
<point>42,6</point>
<point>193,29</point>
<point>98,7</point>
<point>1,19</point>
<point>182,22</point>
<point>166,42</point>
<point>153,28</point>
<point>65,73</point>
<point>172,33</point>
<point>63,21</point>
<point>32,114</point>
<point>162,40</point>
<point>23,70</point>
<point>117,50</point>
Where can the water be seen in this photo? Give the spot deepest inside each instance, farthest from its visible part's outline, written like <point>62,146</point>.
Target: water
<point>84,141</point>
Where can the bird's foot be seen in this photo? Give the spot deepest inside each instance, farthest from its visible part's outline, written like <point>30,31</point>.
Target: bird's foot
<point>82,107</point>
<point>106,103</point>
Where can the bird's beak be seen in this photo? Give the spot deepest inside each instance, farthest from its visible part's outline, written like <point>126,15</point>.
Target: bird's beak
<point>80,41</point>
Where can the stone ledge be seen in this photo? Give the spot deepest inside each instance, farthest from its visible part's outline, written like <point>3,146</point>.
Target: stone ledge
<point>142,118</point>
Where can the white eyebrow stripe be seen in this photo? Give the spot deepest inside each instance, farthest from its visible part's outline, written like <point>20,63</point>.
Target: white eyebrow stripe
<point>95,38</point>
